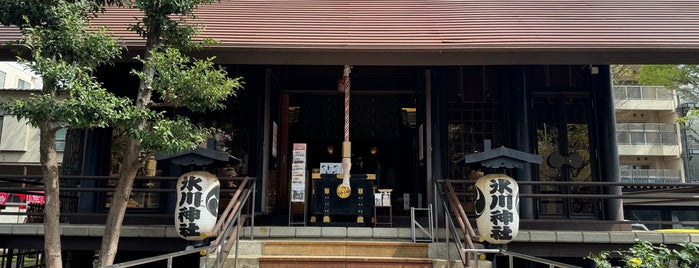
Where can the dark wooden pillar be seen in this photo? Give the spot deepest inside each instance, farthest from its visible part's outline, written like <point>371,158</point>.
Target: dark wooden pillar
<point>515,99</point>
<point>608,155</point>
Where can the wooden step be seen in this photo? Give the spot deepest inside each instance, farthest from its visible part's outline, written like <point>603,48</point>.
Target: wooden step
<point>362,253</point>
<point>346,249</point>
<point>341,262</point>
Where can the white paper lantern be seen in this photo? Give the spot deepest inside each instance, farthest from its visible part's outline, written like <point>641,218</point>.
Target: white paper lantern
<point>497,208</point>
<point>197,204</point>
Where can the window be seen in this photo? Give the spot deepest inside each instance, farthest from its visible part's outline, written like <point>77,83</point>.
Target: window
<point>61,140</point>
<point>21,84</point>
<point>2,79</point>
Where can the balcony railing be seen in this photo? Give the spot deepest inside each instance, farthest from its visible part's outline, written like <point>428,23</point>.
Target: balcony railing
<point>650,176</point>
<point>646,134</point>
<point>642,93</point>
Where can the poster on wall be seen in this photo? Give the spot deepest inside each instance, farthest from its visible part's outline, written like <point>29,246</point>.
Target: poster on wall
<point>298,173</point>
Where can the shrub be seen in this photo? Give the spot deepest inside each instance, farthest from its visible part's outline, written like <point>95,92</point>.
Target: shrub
<point>644,254</point>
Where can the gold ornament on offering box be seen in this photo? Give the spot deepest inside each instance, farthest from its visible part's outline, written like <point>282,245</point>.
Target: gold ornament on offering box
<point>343,191</point>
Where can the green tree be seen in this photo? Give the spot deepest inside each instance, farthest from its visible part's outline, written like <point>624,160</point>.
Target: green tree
<point>56,45</point>
<point>177,81</point>
<point>684,78</point>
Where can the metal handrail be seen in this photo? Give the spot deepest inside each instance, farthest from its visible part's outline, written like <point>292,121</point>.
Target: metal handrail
<point>223,242</point>
<point>467,249</point>
<point>230,207</point>
<point>231,220</point>
<point>512,255</point>
<point>168,257</point>
<point>451,230</point>
<point>550,263</point>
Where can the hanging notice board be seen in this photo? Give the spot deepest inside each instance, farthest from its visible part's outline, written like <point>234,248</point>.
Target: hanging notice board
<point>298,185</point>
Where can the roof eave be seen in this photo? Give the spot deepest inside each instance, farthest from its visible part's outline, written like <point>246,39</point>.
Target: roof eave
<point>442,56</point>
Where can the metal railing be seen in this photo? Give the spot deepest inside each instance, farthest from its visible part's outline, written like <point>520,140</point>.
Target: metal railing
<point>169,257</point>
<point>226,231</point>
<point>450,194</point>
<point>458,225</point>
<point>26,258</point>
<point>656,176</point>
<point>466,248</point>
<point>642,93</point>
<point>464,235</point>
<point>646,134</point>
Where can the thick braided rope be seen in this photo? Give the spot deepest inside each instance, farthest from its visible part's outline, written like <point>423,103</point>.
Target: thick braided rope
<point>347,108</point>
<point>346,161</point>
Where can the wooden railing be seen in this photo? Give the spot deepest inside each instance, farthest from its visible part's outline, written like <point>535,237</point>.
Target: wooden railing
<point>17,185</point>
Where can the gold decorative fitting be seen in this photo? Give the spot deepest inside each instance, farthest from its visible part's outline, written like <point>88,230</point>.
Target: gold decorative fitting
<point>326,190</point>
<point>360,191</point>
<point>313,218</point>
<point>360,219</point>
<point>343,191</point>
<point>326,218</point>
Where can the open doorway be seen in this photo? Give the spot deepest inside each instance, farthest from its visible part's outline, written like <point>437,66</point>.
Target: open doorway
<point>383,132</point>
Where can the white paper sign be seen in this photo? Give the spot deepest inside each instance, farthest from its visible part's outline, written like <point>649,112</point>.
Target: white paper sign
<point>298,173</point>
<point>330,168</point>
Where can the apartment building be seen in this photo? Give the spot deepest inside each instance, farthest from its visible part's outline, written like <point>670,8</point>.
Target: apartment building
<point>648,134</point>
<point>19,142</point>
<point>656,151</point>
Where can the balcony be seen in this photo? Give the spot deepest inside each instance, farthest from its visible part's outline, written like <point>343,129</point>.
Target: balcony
<point>650,176</point>
<point>644,98</point>
<point>647,139</point>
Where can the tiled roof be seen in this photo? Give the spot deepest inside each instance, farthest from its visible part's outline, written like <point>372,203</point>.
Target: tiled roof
<point>646,26</point>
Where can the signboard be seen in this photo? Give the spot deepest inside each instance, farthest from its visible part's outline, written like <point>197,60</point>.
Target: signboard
<point>298,173</point>
<point>330,168</point>
<point>497,208</point>
<point>3,198</point>
<point>197,204</point>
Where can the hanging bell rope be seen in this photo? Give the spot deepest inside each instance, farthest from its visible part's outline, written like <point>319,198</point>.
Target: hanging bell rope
<point>344,85</point>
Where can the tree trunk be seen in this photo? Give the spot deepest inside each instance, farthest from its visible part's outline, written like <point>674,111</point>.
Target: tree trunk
<point>52,211</point>
<point>122,192</point>
<point>128,171</point>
